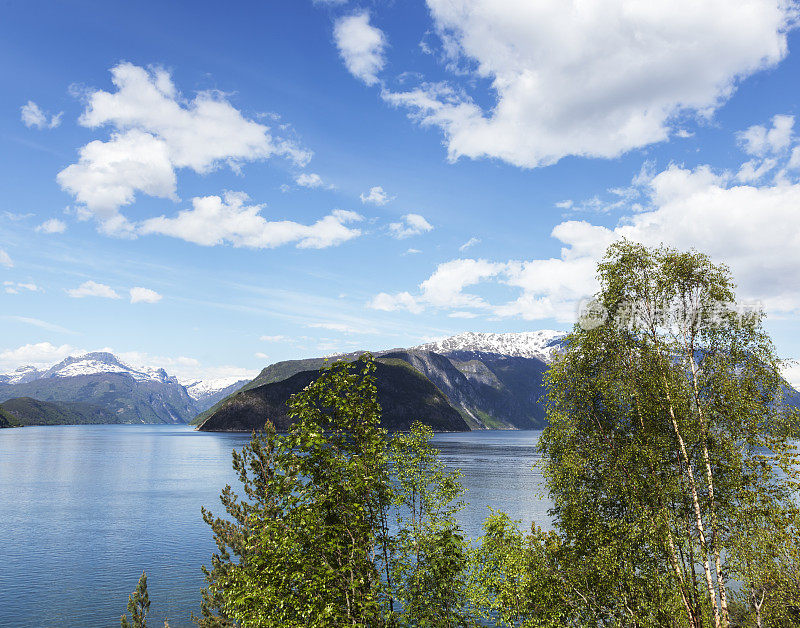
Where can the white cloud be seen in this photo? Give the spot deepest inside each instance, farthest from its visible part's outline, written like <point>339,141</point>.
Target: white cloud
<point>14,287</point>
<point>376,196</point>
<point>93,289</point>
<point>186,369</point>
<point>277,338</point>
<point>33,116</point>
<point>144,295</point>
<point>592,79</point>
<point>760,141</point>
<point>214,220</point>
<point>444,288</point>
<point>261,355</point>
<point>156,131</point>
<point>469,243</point>
<point>108,175</point>
<point>54,225</point>
<point>39,355</point>
<point>309,180</point>
<point>791,371</point>
<point>755,169</point>
<point>412,252</point>
<point>754,229</point>
<point>462,314</point>
<point>5,259</point>
<point>361,46</point>
<point>392,302</point>
<point>413,224</point>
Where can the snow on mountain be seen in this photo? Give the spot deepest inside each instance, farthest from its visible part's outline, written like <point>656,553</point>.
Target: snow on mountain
<point>203,388</point>
<point>22,375</point>
<point>87,364</point>
<point>527,344</point>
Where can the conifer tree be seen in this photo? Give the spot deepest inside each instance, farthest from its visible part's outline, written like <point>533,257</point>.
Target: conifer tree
<point>138,605</point>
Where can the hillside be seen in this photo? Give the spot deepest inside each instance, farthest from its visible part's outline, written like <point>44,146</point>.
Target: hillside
<point>7,419</point>
<point>405,395</point>
<point>29,411</point>
<point>489,389</point>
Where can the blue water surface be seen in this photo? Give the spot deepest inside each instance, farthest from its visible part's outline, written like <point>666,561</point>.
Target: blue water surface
<point>85,509</point>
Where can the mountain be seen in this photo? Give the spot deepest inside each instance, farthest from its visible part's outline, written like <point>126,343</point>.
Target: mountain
<point>29,411</point>
<point>405,395</point>
<point>22,375</point>
<point>527,344</point>
<point>7,419</point>
<point>494,381</point>
<point>208,392</point>
<point>101,379</point>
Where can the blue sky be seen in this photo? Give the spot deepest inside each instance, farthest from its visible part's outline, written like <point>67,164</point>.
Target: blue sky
<point>211,189</point>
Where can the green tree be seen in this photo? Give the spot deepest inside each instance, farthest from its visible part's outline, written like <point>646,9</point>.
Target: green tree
<point>138,606</point>
<point>665,423</point>
<point>308,546</point>
<point>430,557</point>
<point>517,578</point>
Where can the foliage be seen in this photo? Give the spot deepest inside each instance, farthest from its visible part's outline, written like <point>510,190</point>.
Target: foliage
<point>518,580</point>
<point>30,411</point>
<point>669,458</point>
<point>428,573</point>
<point>138,606</point>
<point>666,424</point>
<point>305,539</point>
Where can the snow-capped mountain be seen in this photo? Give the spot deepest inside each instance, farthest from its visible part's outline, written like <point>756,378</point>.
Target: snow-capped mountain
<point>208,391</point>
<point>527,344</point>
<point>103,362</point>
<point>101,379</point>
<point>20,376</point>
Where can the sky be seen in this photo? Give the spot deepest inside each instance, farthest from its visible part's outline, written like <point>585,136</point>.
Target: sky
<point>210,188</point>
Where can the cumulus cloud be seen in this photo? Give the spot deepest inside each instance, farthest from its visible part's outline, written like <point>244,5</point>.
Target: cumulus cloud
<point>144,295</point>
<point>376,196</point>
<point>753,228</point>
<point>54,225</point>
<point>155,131</point>
<point>309,180</point>
<point>444,288</point>
<point>218,220</point>
<point>411,225</point>
<point>5,259</point>
<point>93,289</point>
<point>760,141</point>
<point>39,355</point>
<point>361,46</point>
<point>33,117</point>
<point>108,175</point>
<point>589,79</point>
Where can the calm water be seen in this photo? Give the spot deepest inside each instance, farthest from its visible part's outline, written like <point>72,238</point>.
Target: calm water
<point>84,509</point>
